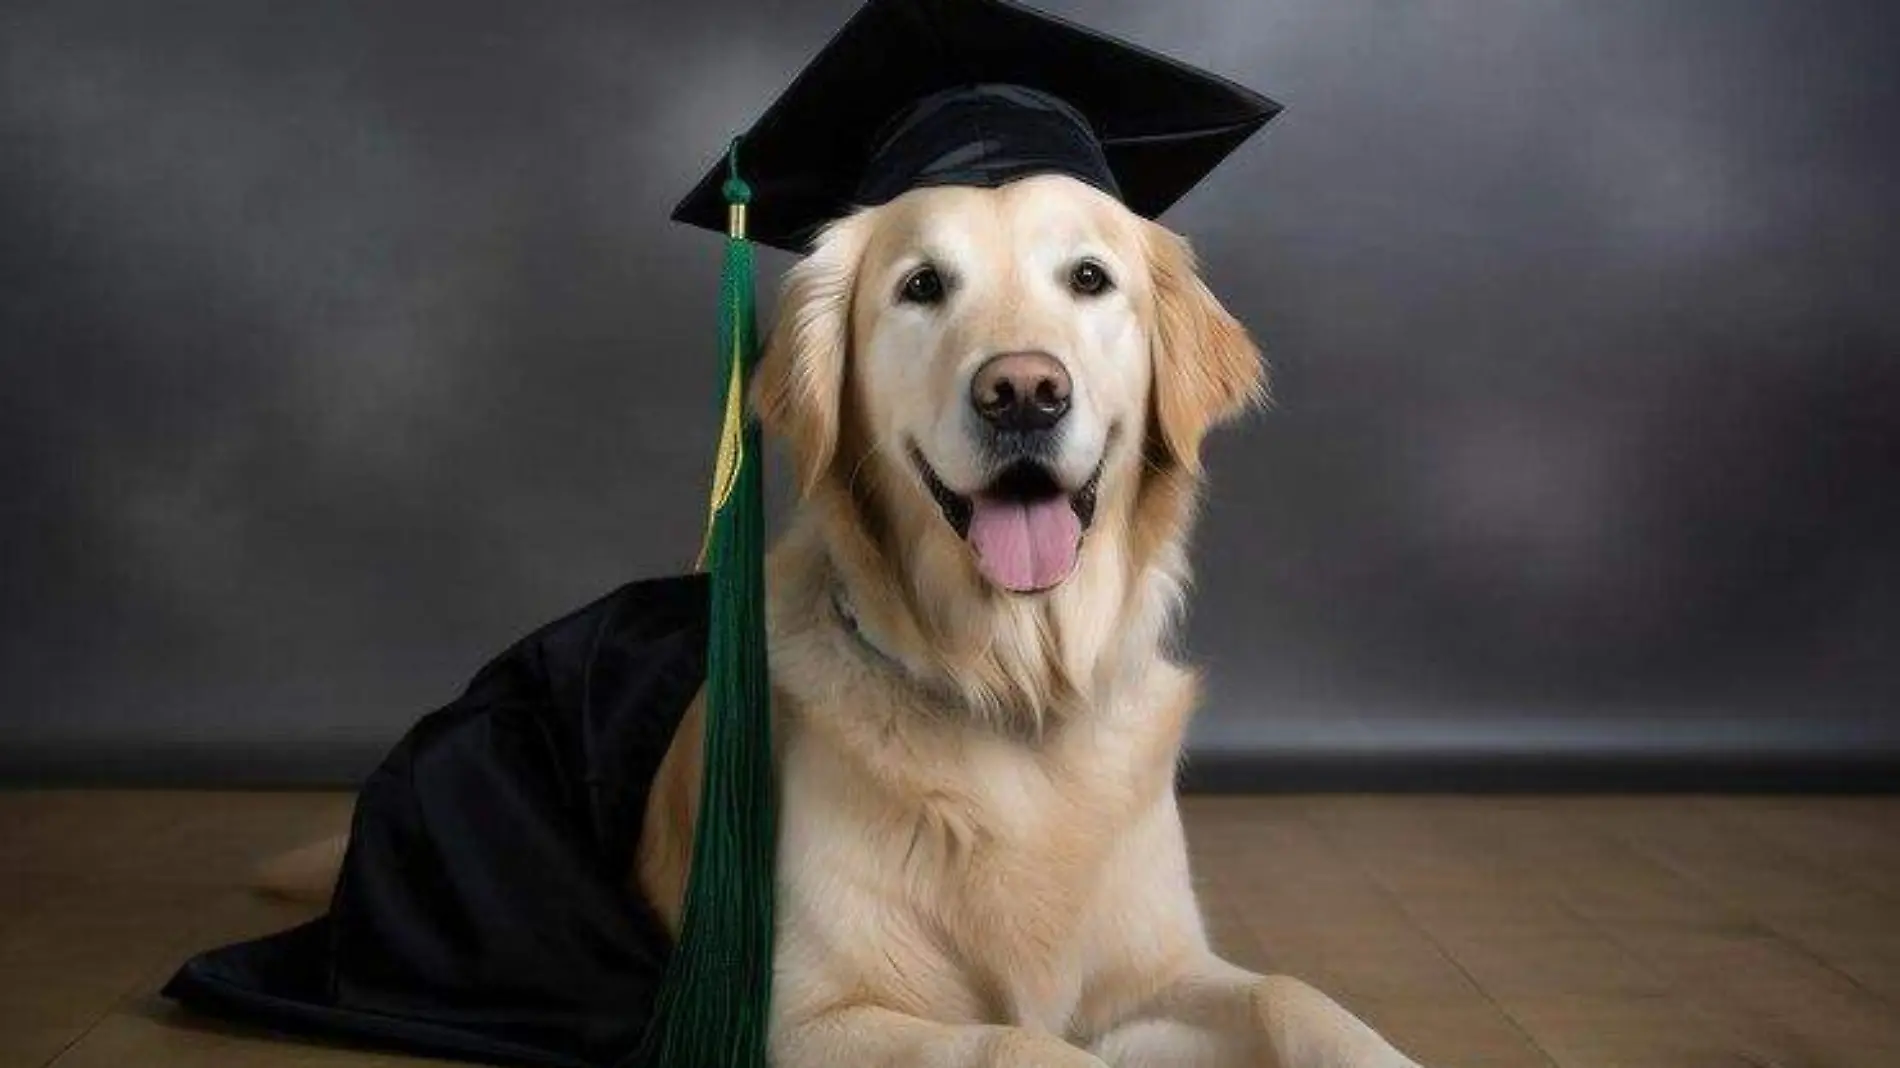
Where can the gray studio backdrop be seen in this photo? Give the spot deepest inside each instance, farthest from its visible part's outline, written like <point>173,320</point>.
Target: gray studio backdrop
<point>343,342</point>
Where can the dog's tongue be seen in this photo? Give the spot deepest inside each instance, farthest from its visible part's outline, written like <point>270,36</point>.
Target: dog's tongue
<point>1025,545</point>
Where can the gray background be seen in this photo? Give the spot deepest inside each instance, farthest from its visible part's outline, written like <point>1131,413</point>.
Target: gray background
<point>343,342</point>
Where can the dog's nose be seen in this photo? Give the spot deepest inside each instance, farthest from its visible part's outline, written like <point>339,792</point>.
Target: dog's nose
<point>1021,391</point>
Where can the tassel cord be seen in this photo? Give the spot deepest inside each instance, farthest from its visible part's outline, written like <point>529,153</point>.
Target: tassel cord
<point>713,1006</point>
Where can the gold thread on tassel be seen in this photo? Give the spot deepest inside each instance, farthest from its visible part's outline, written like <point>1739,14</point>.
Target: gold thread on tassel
<point>726,465</point>
<point>731,440</point>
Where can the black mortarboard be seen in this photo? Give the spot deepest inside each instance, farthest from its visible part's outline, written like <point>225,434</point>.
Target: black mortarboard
<point>912,93</point>
<point>483,909</point>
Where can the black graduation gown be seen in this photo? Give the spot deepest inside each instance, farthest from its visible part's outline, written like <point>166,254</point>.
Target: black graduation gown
<point>484,911</point>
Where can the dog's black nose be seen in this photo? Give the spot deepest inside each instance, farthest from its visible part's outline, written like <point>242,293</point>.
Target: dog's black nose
<point>1021,391</point>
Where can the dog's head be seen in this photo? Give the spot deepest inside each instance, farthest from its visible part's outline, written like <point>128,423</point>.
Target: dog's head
<point>1001,370</point>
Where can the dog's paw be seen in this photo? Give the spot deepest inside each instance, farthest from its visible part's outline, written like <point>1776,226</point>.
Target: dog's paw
<point>1307,1029</point>
<point>1171,1044</point>
<point>1029,1049</point>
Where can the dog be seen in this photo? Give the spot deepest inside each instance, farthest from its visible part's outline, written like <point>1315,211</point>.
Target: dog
<point>995,401</point>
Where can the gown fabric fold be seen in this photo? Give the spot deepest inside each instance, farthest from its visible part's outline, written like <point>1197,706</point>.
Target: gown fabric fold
<point>486,909</point>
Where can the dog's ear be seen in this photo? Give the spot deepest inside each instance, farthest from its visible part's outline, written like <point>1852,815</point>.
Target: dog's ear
<point>798,388</point>
<point>1207,369</point>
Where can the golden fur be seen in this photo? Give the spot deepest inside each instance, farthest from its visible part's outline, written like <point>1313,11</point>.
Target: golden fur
<point>981,861</point>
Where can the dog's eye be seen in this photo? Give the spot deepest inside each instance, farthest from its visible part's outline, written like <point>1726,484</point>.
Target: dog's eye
<point>922,286</point>
<point>1089,279</point>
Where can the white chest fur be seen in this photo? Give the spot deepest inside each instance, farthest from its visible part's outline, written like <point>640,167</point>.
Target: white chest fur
<point>951,872</point>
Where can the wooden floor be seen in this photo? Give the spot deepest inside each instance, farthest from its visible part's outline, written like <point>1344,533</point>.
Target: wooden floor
<point>1497,932</point>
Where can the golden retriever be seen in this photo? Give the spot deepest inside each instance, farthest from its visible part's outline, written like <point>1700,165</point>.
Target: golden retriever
<point>995,400</point>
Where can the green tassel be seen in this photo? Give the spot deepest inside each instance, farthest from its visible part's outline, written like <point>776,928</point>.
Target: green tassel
<point>713,1006</point>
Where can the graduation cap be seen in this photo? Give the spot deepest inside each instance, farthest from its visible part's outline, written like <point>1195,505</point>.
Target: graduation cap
<point>914,93</point>
<point>484,909</point>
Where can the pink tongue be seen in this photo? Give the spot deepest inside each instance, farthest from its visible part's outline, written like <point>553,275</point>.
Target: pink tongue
<point>1025,546</point>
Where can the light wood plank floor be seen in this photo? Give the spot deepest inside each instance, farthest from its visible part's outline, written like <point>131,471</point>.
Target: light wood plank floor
<point>1481,932</point>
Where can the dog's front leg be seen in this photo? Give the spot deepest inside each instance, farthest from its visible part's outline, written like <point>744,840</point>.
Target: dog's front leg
<point>864,1036</point>
<point>1216,1015</point>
